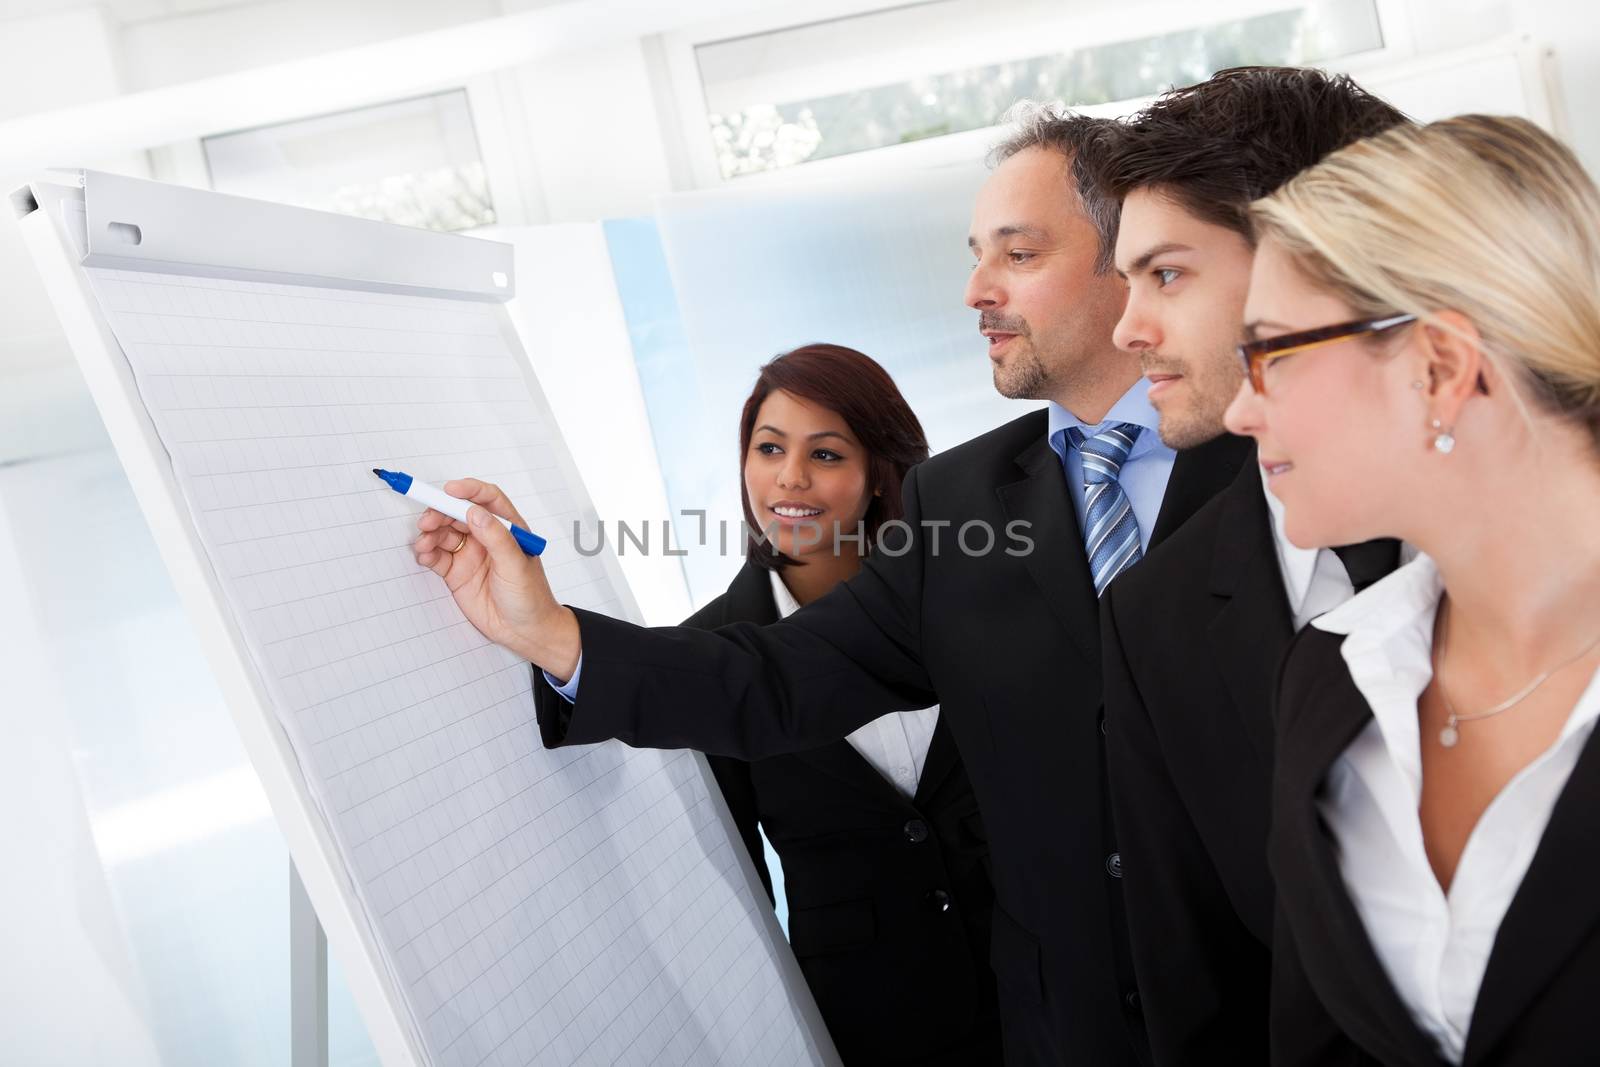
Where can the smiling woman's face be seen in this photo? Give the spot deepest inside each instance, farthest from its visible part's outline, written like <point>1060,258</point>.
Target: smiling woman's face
<point>804,472</point>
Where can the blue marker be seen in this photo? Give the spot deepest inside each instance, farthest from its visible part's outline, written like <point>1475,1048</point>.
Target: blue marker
<point>441,501</point>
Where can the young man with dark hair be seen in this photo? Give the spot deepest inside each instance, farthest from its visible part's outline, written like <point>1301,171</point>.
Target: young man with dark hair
<point>1193,636</point>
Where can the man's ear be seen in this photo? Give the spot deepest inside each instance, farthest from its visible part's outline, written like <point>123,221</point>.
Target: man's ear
<point>1455,365</point>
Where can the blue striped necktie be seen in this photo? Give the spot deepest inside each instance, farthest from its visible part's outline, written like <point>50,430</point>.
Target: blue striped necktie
<point>1110,530</point>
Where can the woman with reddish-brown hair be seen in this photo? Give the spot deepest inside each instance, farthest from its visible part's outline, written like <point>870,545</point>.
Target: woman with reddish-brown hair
<point>885,860</point>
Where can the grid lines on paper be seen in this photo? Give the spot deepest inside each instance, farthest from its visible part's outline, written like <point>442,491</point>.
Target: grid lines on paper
<point>572,906</point>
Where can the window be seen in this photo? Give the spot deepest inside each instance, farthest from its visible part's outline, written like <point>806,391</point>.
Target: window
<point>848,85</point>
<point>414,162</point>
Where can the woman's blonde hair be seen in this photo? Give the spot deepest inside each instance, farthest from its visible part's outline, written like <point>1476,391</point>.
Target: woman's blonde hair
<point>1485,215</point>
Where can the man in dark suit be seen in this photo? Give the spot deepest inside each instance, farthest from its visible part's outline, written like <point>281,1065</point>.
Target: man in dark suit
<point>1193,636</point>
<point>984,601</point>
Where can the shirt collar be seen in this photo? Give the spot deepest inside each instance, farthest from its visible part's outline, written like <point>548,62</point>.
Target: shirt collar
<point>1298,565</point>
<point>1388,649</point>
<point>1133,406</point>
<point>784,600</point>
<point>1404,599</point>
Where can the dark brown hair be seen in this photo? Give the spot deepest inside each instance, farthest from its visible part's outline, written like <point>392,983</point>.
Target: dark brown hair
<point>860,392</point>
<point>1077,139</point>
<point>1216,146</point>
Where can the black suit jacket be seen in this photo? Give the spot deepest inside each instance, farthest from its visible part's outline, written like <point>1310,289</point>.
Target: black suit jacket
<point>1007,645</point>
<point>889,898</point>
<point>1333,1002</point>
<point>1193,638</point>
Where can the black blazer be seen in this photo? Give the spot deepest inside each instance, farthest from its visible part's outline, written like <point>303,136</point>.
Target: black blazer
<point>889,898</point>
<point>1193,638</point>
<point>1007,644</point>
<point>1333,1002</point>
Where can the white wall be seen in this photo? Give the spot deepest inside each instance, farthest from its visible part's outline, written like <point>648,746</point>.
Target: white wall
<point>57,60</point>
<point>570,317</point>
<point>64,954</point>
<point>203,44</point>
<point>47,62</point>
<point>1438,26</point>
<point>595,140</point>
<point>1572,28</point>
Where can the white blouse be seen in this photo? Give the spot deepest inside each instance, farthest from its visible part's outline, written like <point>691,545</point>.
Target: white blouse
<point>1433,945</point>
<point>896,744</point>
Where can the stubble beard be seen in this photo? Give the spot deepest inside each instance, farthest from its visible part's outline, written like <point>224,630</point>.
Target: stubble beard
<point>1210,390</point>
<point>1022,377</point>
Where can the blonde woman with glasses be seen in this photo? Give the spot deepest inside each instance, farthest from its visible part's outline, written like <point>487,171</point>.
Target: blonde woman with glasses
<point>1423,356</point>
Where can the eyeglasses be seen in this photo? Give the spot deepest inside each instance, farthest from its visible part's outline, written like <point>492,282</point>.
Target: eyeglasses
<point>1257,354</point>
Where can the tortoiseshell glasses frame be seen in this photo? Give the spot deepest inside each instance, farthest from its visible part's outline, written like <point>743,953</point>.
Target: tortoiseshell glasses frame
<point>1255,355</point>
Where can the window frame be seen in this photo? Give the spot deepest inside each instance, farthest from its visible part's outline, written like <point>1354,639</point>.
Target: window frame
<point>470,103</point>
<point>1007,41</point>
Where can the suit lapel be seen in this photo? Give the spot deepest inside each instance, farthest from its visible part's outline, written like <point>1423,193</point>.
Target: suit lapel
<point>940,762</point>
<point>1252,626</point>
<point>1336,712</point>
<point>750,597</point>
<point>1057,562</point>
<point>1198,474</point>
<point>841,761</point>
<point>1529,948</point>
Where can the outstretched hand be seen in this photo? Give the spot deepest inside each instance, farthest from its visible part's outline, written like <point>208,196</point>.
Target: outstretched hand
<point>501,591</point>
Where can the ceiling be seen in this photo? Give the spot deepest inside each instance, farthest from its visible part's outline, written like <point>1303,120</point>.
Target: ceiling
<point>122,12</point>
<point>128,12</point>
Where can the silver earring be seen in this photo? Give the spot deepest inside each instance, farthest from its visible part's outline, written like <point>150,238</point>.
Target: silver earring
<point>1417,384</point>
<point>1444,442</point>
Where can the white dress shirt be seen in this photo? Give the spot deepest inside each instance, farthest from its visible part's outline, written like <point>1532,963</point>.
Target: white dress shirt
<point>1433,945</point>
<point>897,744</point>
<point>1314,578</point>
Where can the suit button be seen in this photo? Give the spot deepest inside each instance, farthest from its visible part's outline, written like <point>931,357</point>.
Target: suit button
<point>916,831</point>
<point>1132,1000</point>
<point>939,900</point>
<point>1102,724</point>
<point>1114,865</point>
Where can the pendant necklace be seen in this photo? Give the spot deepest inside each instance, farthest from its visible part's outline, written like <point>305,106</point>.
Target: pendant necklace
<point>1450,734</point>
